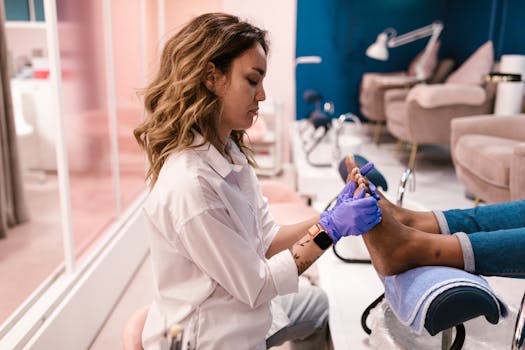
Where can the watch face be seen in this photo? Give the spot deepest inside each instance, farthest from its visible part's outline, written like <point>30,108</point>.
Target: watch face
<point>323,240</point>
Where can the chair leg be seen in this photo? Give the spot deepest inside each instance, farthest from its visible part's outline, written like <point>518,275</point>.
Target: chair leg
<point>377,132</point>
<point>446,339</point>
<point>399,145</point>
<point>412,159</point>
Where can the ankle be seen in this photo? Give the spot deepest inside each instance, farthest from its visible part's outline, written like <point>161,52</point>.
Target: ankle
<point>400,214</point>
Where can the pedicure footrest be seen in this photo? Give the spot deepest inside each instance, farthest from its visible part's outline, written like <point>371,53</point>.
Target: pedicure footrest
<point>451,309</point>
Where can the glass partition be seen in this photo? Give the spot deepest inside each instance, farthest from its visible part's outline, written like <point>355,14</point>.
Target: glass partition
<point>129,79</point>
<point>31,252</point>
<point>99,108</point>
<point>86,119</point>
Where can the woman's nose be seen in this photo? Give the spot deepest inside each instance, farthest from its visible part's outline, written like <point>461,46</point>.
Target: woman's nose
<point>260,95</point>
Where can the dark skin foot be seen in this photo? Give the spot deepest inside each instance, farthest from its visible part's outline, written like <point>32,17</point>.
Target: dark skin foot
<point>403,239</point>
<point>394,247</point>
<point>421,220</point>
<point>388,244</point>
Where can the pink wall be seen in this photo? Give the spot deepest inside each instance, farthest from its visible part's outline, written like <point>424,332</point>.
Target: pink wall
<point>152,38</point>
<point>125,17</point>
<point>179,12</point>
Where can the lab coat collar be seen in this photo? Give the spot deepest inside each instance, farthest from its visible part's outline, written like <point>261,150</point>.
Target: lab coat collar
<point>216,160</point>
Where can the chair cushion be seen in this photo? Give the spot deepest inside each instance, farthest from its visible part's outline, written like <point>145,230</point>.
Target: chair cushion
<point>429,66</point>
<point>474,69</point>
<point>488,157</point>
<point>439,95</point>
<point>396,112</point>
<point>396,119</point>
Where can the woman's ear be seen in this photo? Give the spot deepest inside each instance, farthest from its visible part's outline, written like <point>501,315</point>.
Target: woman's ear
<point>209,76</point>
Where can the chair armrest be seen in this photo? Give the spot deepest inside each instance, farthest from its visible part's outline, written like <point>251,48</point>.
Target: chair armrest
<point>509,126</point>
<point>439,95</point>
<point>394,95</point>
<point>388,82</point>
<point>519,150</point>
<point>369,79</point>
<point>517,173</point>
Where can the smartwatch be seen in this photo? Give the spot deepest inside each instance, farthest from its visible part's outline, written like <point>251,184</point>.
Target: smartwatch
<point>320,236</point>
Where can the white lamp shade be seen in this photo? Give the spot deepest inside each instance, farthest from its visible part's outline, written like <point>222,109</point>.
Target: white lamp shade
<point>378,49</point>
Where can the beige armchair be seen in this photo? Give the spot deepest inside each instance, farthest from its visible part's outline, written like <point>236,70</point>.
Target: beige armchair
<point>488,152</point>
<point>422,114</point>
<point>374,85</point>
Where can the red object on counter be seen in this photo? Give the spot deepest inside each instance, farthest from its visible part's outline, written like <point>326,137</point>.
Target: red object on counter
<point>40,74</point>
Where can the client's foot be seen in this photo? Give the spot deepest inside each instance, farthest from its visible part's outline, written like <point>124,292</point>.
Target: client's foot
<point>402,215</point>
<point>391,245</point>
<point>395,247</point>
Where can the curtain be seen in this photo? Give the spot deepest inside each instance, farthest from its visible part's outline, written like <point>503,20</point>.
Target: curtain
<point>13,208</point>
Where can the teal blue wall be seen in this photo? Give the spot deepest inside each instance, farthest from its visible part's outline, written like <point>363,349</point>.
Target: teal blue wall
<point>18,10</point>
<point>340,31</point>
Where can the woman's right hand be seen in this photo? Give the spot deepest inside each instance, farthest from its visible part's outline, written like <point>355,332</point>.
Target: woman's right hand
<point>351,216</point>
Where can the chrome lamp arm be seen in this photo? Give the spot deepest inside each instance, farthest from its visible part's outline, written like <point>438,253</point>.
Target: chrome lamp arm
<point>389,38</point>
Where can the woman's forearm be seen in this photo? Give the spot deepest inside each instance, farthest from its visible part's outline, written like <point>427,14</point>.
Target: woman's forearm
<point>305,252</point>
<point>301,244</point>
<point>288,235</point>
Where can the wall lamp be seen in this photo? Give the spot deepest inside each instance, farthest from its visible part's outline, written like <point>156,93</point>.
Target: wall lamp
<point>389,39</point>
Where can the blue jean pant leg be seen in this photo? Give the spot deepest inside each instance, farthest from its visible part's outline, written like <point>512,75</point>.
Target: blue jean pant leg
<point>499,253</point>
<point>487,218</point>
<point>308,313</point>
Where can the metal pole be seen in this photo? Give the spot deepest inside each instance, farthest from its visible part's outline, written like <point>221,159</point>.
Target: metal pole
<point>55,81</point>
<point>112,105</point>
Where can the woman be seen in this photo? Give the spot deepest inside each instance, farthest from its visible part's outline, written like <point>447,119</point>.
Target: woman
<point>486,240</point>
<point>223,269</point>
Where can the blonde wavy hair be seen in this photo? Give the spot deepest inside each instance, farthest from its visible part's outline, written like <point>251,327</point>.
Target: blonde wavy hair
<point>177,101</point>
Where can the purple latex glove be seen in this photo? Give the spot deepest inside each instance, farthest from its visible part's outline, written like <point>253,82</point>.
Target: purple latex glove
<point>352,217</point>
<point>350,187</point>
<point>347,192</point>
<point>373,189</point>
<point>365,169</point>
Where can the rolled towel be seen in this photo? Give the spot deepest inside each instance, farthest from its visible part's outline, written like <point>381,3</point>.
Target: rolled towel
<point>411,292</point>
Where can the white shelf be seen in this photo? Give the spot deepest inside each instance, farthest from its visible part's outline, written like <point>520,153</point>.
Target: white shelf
<point>25,25</point>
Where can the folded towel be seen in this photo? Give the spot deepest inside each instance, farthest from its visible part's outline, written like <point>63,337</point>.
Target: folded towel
<point>411,292</point>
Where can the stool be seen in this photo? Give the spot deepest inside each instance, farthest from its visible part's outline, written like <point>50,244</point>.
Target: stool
<point>132,334</point>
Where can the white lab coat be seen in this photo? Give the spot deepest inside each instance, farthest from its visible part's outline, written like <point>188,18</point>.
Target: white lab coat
<point>209,229</point>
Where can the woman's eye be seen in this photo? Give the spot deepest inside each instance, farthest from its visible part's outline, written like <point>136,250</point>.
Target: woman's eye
<point>252,82</point>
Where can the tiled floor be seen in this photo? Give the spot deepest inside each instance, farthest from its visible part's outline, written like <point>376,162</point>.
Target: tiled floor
<point>352,287</point>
